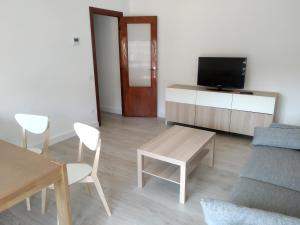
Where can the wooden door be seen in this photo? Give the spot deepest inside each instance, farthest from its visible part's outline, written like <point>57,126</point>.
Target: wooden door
<point>138,55</point>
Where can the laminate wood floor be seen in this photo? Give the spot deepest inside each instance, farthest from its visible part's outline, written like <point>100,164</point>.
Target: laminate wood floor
<point>158,202</point>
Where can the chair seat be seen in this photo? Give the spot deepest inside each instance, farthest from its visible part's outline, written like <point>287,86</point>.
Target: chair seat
<point>77,172</point>
<point>36,150</point>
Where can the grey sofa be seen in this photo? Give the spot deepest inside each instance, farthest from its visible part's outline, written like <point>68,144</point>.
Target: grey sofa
<point>270,181</point>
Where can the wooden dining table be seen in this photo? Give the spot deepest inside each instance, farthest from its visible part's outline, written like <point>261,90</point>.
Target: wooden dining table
<point>24,173</point>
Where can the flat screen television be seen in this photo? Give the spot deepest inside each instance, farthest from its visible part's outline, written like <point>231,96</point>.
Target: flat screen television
<point>221,72</point>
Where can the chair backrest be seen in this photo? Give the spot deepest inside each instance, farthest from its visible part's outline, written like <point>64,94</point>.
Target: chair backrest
<point>34,124</point>
<point>90,137</point>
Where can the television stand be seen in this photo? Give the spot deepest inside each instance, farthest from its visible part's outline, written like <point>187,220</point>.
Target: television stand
<point>218,89</point>
<point>231,111</point>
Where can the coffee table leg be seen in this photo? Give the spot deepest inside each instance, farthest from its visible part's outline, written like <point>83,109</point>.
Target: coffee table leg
<point>211,153</point>
<point>140,164</point>
<point>182,183</point>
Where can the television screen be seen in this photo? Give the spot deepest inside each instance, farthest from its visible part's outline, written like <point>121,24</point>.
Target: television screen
<point>222,72</point>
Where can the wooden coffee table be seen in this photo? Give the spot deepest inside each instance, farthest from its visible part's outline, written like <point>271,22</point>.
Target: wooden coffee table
<point>176,153</point>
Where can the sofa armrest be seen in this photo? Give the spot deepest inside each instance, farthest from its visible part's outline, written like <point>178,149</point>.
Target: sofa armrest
<point>225,213</point>
<point>277,137</point>
<point>284,126</point>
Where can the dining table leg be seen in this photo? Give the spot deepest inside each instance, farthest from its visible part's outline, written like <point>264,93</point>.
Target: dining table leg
<point>63,198</point>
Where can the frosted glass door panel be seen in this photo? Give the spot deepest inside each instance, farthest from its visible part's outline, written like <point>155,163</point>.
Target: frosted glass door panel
<point>139,55</point>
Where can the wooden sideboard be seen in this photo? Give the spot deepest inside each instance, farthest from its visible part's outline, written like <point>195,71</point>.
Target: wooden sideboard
<point>226,111</point>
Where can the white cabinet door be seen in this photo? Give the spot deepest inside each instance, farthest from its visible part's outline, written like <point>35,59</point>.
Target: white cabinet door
<point>181,96</point>
<point>214,99</point>
<point>252,103</point>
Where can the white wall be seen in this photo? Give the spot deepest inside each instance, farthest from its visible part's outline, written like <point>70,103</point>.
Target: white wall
<point>266,31</point>
<point>108,63</point>
<point>40,71</point>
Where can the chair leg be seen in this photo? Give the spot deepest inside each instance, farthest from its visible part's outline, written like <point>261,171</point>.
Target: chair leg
<point>44,202</point>
<point>28,204</point>
<point>101,194</point>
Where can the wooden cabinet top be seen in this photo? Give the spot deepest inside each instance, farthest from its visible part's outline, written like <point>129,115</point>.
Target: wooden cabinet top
<point>235,91</point>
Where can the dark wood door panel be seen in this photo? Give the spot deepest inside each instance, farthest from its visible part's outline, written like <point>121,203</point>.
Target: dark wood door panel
<point>138,101</point>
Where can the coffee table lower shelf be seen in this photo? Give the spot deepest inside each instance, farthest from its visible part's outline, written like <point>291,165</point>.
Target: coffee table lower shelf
<point>163,170</point>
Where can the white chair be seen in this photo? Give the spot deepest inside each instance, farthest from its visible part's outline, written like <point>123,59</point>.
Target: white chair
<point>81,172</point>
<point>37,125</point>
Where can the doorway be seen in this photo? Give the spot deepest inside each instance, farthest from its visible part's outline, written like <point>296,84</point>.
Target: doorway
<point>135,67</point>
<point>102,20</point>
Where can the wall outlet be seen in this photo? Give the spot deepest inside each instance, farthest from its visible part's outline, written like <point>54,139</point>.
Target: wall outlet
<point>76,41</point>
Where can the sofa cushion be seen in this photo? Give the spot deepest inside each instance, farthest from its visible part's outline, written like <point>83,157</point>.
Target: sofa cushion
<point>225,213</point>
<point>274,165</point>
<point>265,196</point>
<point>277,137</point>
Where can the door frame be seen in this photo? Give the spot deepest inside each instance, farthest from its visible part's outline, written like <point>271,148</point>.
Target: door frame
<point>102,12</point>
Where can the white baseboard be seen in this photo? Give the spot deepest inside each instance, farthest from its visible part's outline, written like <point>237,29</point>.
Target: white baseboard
<point>119,111</point>
<point>66,135</point>
<point>56,138</point>
<point>111,109</point>
<point>161,115</point>
<point>61,137</point>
